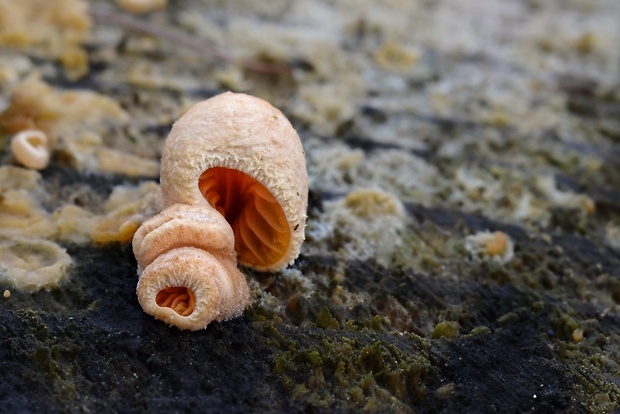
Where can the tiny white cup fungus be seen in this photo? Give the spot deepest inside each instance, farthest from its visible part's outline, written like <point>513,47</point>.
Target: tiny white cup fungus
<point>30,148</point>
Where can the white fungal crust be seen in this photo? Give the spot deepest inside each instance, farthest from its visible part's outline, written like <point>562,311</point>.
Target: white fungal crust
<point>30,148</point>
<point>187,267</point>
<point>32,264</point>
<point>243,133</point>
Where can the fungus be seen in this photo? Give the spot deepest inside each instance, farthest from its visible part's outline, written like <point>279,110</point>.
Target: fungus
<point>38,28</point>
<point>124,211</point>
<point>187,267</point>
<point>370,203</point>
<point>141,6</point>
<point>564,199</point>
<point>242,156</point>
<point>234,181</point>
<point>31,149</point>
<point>367,223</point>
<point>496,246</point>
<point>75,122</point>
<point>32,264</point>
<point>21,210</point>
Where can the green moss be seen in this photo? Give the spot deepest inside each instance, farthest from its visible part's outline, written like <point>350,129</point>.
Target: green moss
<point>357,394</point>
<point>480,330</point>
<point>507,318</point>
<point>446,329</point>
<point>350,325</point>
<point>325,319</point>
<point>357,373</point>
<point>52,356</point>
<point>314,359</point>
<point>377,323</point>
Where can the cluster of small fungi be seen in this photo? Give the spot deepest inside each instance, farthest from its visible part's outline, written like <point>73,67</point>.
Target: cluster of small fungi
<point>235,187</point>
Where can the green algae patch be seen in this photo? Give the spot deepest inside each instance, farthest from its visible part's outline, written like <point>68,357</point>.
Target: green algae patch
<point>445,329</point>
<point>45,357</point>
<point>325,319</point>
<point>354,371</point>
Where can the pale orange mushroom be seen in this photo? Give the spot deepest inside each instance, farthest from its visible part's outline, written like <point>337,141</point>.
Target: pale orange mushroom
<point>234,180</point>
<point>242,156</point>
<point>187,268</point>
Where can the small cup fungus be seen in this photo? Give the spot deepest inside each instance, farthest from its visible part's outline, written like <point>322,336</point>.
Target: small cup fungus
<point>30,148</point>
<point>187,267</point>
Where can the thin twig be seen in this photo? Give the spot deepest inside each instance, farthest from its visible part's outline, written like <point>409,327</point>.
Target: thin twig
<point>177,37</point>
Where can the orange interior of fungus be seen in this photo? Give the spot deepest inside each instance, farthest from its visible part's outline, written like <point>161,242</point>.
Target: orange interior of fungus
<point>262,234</point>
<point>179,299</point>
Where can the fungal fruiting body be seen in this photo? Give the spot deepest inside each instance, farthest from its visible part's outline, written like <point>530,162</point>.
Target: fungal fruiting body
<point>141,6</point>
<point>242,156</point>
<point>32,264</point>
<point>30,148</point>
<point>496,246</point>
<point>235,187</point>
<point>187,267</point>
